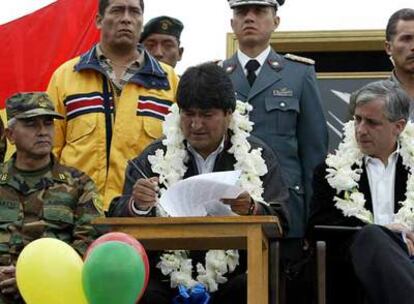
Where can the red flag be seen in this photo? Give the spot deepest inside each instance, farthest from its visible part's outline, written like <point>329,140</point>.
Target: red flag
<point>35,45</point>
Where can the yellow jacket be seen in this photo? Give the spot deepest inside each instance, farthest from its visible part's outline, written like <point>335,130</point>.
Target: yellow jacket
<point>81,92</point>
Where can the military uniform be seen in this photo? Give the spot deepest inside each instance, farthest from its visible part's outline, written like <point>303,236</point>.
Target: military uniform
<point>288,116</point>
<point>55,201</point>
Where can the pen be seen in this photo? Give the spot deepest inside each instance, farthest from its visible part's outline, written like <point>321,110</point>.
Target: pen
<point>142,173</point>
<point>137,168</point>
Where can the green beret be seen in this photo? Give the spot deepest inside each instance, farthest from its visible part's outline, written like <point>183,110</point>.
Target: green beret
<point>162,25</point>
<point>27,105</point>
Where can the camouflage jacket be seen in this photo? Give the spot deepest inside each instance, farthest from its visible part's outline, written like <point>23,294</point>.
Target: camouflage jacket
<point>60,203</point>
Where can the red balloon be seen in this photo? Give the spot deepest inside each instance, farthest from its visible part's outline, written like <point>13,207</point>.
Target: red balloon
<point>125,238</point>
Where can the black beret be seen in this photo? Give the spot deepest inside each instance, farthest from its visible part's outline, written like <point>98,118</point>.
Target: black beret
<point>162,25</point>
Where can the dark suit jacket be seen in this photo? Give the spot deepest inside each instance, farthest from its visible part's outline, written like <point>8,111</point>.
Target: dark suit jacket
<point>275,190</point>
<point>323,210</point>
<point>344,287</point>
<point>288,116</point>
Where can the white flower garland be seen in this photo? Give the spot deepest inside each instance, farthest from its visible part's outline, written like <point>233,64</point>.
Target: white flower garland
<point>171,167</point>
<point>342,177</point>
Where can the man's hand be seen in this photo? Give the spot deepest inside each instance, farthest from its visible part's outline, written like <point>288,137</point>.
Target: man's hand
<point>8,280</point>
<point>409,235</point>
<point>242,205</point>
<point>145,193</point>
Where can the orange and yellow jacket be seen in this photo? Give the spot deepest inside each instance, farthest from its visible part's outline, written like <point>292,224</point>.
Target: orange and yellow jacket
<point>103,131</point>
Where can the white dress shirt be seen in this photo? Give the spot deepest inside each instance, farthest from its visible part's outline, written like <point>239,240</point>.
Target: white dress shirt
<point>261,58</point>
<point>205,165</point>
<point>381,180</point>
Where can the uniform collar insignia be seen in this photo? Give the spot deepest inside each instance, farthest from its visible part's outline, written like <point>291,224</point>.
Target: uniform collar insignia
<point>274,64</point>
<point>229,69</point>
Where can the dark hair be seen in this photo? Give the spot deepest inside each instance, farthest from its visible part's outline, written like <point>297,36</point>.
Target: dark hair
<point>206,86</point>
<point>402,14</point>
<point>396,101</point>
<point>103,4</point>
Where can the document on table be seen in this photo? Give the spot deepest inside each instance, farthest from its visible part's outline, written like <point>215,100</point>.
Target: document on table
<point>200,195</point>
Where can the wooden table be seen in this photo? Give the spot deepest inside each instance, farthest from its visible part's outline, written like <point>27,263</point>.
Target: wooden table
<point>202,233</point>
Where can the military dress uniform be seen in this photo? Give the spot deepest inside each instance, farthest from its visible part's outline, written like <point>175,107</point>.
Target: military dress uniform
<point>288,116</point>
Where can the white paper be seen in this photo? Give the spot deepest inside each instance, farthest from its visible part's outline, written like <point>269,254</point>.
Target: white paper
<point>200,195</point>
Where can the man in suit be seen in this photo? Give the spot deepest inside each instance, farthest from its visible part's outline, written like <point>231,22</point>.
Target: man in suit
<point>286,102</point>
<point>204,134</point>
<point>367,183</point>
<point>399,45</point>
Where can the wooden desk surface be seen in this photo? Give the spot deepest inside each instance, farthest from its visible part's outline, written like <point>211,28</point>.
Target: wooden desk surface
<point>200,233</point>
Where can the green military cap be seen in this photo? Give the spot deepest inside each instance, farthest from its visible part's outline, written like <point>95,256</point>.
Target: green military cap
<point>27,105</point>
<point>236,3</point>
<point>162,25</point>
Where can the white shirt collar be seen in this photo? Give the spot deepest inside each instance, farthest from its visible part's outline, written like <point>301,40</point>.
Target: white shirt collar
<point>206,165</point>
<point>393,156</point>
<point>261,58</point>
<point>381,181</point>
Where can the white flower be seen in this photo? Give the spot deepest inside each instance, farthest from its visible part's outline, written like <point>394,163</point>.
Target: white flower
<point>232,259</point>
<point>344,171</point>
<point>207,279</point>
<point>181,278</point>
<point>170,166</point>
<point>343,179</point>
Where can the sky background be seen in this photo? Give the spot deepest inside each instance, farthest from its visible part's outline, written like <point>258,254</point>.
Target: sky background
<point>206,22</point>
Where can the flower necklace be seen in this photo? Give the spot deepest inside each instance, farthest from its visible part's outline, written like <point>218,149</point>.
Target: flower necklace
<point>342,177</point>
<point>171,167</point>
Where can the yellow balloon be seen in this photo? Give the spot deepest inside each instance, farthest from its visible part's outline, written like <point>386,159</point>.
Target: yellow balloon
<point>49,271</point>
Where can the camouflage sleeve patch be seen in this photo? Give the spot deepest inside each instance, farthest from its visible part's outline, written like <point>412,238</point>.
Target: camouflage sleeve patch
<point>300,59</point>
<point>90,197</point>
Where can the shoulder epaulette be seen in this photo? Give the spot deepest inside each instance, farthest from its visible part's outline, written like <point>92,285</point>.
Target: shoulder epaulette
<point>299,59</point>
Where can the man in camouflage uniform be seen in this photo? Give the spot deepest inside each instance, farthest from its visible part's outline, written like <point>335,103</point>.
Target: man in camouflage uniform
<point>38,196</point>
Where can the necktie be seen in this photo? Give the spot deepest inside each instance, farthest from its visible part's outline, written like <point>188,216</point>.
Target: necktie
<point>251,67</point>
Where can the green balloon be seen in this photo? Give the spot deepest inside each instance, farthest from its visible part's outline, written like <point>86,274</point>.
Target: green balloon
<point>113,273</point>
